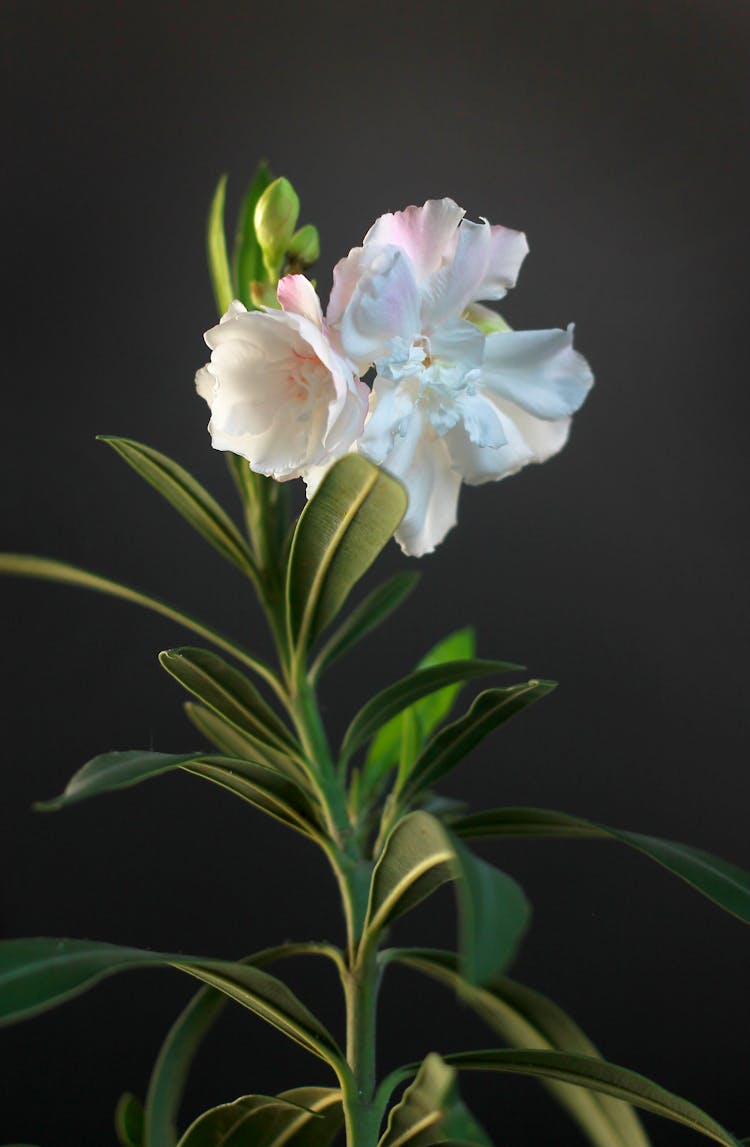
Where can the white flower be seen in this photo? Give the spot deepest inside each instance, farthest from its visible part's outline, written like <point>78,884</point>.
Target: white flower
<point>450,403</point>
<point>280,394</point>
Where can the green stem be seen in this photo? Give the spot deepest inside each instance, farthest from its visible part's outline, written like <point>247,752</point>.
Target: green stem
<point>362,1114</point>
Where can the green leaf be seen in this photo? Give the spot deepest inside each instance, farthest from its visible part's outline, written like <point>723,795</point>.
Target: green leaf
<point>189,498</point>
<point>129,1121</point>
<point>389,748</point>
<point>431,1112</point>
<point>216,248</point>
<point>232,743</point>
<point>37,974</point>
<point>379,605</point>
<point>399,696</point>
<point>230,694</point>
<point>598,1075</point>
<point>527,1019</point>
<point>248,257</point>
<point>341,531</point>
<point>304,1116</point>
<point>48,569</point>
<point>418,857</point>
<point>449,746</point>
<point>725,884</point>
<point>256,783</point>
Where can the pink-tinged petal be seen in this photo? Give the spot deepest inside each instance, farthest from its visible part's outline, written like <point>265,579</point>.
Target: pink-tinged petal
<point>384,306</point>
<point>345,278</point>
<point>537,370</point>
<point>427,234</point>
<point>448,292</point>
<point>298,296</point>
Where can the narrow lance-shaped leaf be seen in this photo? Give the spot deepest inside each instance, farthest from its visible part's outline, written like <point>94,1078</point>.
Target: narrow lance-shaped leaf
<point>38,974</point>
<point>230,742</point>
<point>49,569</point>
<point>171,1070</point>
<point>189,498</point>
<point>341,531</point>
<point>216,250</point>
<point>599,1075</point>
<point>229,694</point>
<point>256,783</point>
<point>399,696</point>
<point>129,1124</point>
<point>304,1117</point>
<point>431,1112</point>
<point>449,747</point>
<point>248,257</point>
<point>399,741</point>
<point>376,607</point>
<point>418,857</point>
<point>725,884</point>
<point>527,1019</point>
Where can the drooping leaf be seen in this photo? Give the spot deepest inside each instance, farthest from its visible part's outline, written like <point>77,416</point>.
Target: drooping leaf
<point>189,498</point>
<point>341,531</point>
<point>248,257</point>
<point>376,607</point>
<point>37,974</point>
<point>48,569</point>
<point>129,1126</point>
<point>451,744</point>
<point>304,1117</point>
<point>256,783</point>
<point>216,249</point>
<point>170,1073</point>
<point>431,1112</point>
<point>598,1075</point>
<point>229,694</point>
<point>409,690</point>
<point>527,1019</point>
<point>417,858</point>
<point>724,883</point>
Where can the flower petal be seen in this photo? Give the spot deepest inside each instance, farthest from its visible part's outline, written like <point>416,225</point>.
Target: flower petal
<point>427,234</point>
<point>384,305</point>
<point>538,370</point>
<point>297,295</point>
<point>433,487</point>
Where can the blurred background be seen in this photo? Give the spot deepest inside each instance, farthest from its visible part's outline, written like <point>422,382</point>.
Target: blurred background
<point>613,133</point>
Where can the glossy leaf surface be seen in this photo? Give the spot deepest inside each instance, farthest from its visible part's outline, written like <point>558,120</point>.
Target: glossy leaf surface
<point>724,883</point>
<point>304,1117</point>
<point>409,690</point>
<point>341,531</point>
<point>216,249</point>
<point>256,783</point>
<point>431,1112</point>
<point>418,857</point>
<point>189,498</point>
<point>454,742</point>
<point>37,974</point>
<point>527,1019</point>
<point>598,1075</point>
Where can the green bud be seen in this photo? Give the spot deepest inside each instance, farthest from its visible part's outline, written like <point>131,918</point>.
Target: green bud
<point>488,321</point>
<point>276,214</point>
<point>304,248</point>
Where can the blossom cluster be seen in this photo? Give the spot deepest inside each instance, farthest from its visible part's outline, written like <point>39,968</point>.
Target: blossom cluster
<point>457,395</point>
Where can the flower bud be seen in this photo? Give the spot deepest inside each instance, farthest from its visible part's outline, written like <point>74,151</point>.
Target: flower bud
<point>304,247</point>
<point>276,215</point>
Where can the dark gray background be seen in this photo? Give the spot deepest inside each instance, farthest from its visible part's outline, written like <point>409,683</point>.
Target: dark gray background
<point>615,134</point>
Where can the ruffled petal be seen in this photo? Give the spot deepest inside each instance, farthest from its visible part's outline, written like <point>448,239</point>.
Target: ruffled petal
<point>427,234</point>
<point>537,370</point>
<point>298,296</point>
<point>433,487</point>
<point>384,306</point>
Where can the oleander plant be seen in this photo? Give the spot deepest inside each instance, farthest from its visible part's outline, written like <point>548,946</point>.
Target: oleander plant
<point>406,387</point>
